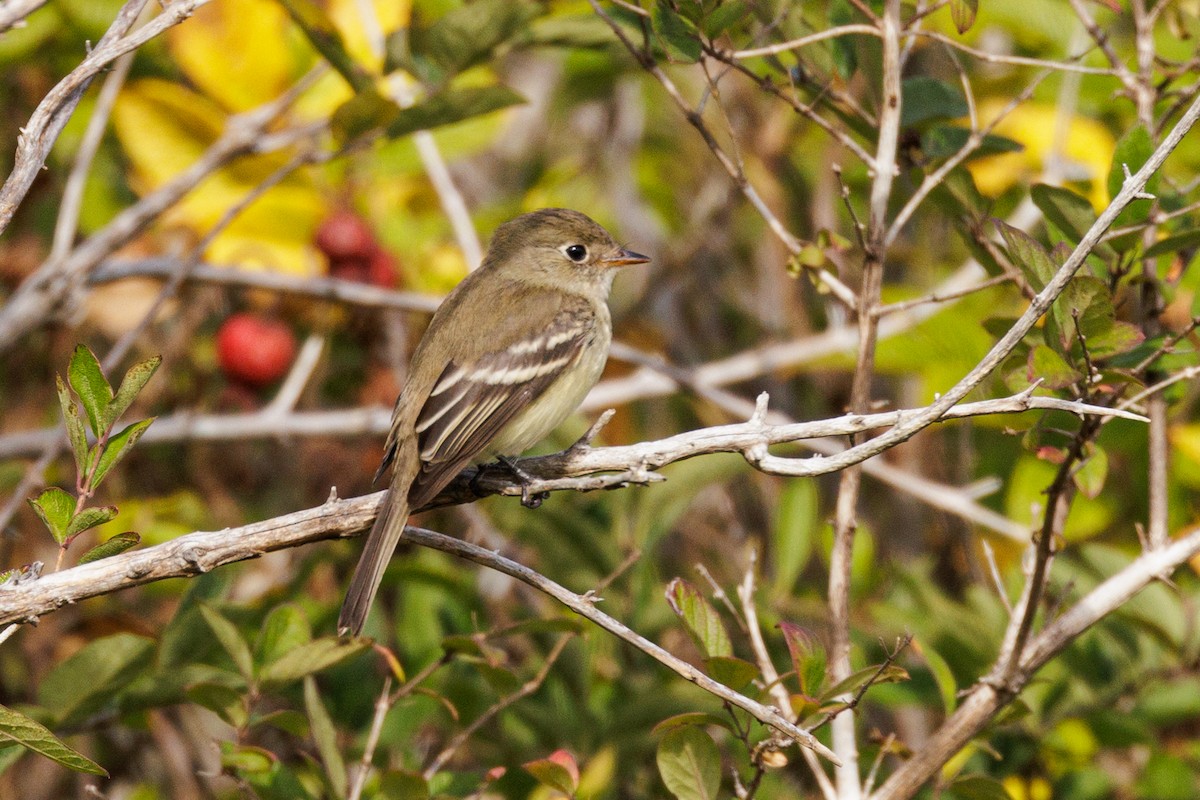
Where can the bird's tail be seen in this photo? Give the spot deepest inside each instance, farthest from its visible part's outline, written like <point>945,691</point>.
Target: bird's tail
<point>381,541</point>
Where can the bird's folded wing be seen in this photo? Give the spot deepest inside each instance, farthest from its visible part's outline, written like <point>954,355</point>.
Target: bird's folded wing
<point>471,403</point>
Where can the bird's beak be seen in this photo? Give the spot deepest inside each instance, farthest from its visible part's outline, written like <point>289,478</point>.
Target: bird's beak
<point>624,258</point>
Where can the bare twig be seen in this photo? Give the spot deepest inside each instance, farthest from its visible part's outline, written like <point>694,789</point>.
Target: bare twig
<point>382,705</point>
<point>14,12</point>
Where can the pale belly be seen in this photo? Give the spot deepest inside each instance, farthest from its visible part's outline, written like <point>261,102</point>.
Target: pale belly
<point>544,414</point>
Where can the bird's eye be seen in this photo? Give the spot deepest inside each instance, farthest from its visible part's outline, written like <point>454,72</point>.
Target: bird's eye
<point>576,253</point>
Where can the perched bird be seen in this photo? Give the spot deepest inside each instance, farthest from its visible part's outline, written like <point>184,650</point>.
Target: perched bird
<point>509,355</point>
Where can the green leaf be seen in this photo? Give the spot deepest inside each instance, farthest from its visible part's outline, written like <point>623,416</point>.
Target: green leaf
<point>724,16</point>
<point>558,771</point>
<point>943,141</point>
<point>1049,366</point>
<point>89,384</point>
<point>284,629</point>
<point>701,619</point>
<point>55,508</point>
<point>76,433</point>
<point>731,671</point>
<point>366,111</point>
<point>114,546</point>
<point>89,518</point>
<point>796,526</point>
<point>1070,213</point>
<point>399,785</point>
<point>246,760</point>
<point>942,676</point>
<point>131,385</point>
<point>808,657</point>
<point>312,657</point>
<point>1172,244</point>
<point>851,685</point>
<point>450,106</point>
<point>1132,151</point>
<point>118,447</point>
<point>463,37</point>
<point>575,32</point>
<point>18,728</point>
<point>845,57</point>
<point>226,702</point>
<point>1116,338</point>
<point>93,675</point>
<point>979,787</point>
<point>963,12</point>
<point>691,718</point>
<point>690,764</point>
<point>1029,255</point>
<point>320,31</point>
<point>325,736</point>
<point>923,98</point>
<point>231,639</point>
<point>677,35</point>
<point>1092,473</point>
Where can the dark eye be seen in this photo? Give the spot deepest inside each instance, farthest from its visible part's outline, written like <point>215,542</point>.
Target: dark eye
<point>576,253</point>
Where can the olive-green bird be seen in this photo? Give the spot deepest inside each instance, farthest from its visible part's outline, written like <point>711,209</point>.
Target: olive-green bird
<point>509,355</point>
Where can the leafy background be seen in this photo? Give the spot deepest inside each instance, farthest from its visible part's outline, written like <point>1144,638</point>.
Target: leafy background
<point>230,685</point>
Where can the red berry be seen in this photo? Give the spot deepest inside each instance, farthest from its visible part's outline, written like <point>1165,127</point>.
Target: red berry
<point>345,235</point>
<point>254,349</point>
<point>383,270</point>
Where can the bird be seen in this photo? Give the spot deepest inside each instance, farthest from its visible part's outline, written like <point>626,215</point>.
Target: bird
<point>508,355</point>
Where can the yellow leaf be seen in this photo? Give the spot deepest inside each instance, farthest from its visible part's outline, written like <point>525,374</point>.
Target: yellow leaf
<point>392,14</point>
<point>1087,148</point>
<point>164,128</point>
<point>239,53</point>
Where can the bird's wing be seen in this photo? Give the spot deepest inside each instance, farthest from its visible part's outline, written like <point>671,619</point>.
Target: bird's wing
<point>472,402</point>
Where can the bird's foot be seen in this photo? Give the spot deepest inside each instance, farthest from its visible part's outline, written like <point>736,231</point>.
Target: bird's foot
<point>528,499</point>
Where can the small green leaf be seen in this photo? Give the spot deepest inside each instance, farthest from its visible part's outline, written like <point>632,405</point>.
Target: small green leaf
<point>1070,213</point>
<point>851,685</point>
<point>942,676</point>
<point>1172,244</point>
<point>979,787</point>
<point>724,16</point>
<point>1049,366</point>
<point>1092,473</point>
<point>701,619</point>
<point>691,718</point>
<point>399,785</point>
<point>312,657</point>
<point>18,728</point>
<point>55,508</point>
<point>284,629</point>
<point>944,140</point>
<point>690,764</point>
<point>1115,338</point>
<point>963,12</point>
<point>246,760</point>
<point>466,36</point>
<point>89,518</point>
<point>365,111</point>
<point>325,736</point>
<point>796,525</point>
<point>924,98</point>
<point>114,546</point>
<point>450,106</point>
<point>558,771</point>
<point>117,448</point>
<point>1029,255</point>
<point>131,385</point>
<point>90,386</point>
<point>808,657</point>
<point>92,676</point>
<point>680,39</point>
<point>226,702</point>
<point>231,639</point>
<point>76,433</point>
<point>325,38</point>
<point>1132,151</point>
<point>731,671</point>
